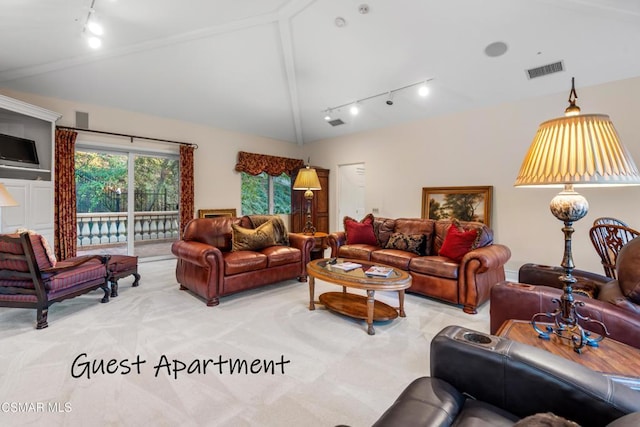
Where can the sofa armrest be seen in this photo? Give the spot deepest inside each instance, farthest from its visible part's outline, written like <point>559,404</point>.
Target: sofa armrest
<point>479,270</point>
<point>488,257</point>
<point>525,380</point>
<point>520,301</point>
<point>196,253</point>
<point>305,244</point>
<point>538,274</point>
<point>335,240</point>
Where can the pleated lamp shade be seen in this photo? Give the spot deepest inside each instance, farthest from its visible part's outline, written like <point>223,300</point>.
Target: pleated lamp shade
<point>583,150</point>
<point>307,179</point>
<point>6,199</point>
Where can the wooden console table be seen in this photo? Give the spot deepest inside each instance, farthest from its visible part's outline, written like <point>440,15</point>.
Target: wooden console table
<point>612,358</point>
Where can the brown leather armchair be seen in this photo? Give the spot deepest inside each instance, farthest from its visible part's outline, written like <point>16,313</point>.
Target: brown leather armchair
<point>613,302</point>
<point>208,267</point>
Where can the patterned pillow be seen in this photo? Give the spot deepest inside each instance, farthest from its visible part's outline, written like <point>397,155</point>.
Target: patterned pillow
<point>248,239</point>
<point>44,255</point>
<point>415,243</point>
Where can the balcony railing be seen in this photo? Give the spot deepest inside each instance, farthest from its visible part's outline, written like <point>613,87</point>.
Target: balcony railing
<point>108,228</point>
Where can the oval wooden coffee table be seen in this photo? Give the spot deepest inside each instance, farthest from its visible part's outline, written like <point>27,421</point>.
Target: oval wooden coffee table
<point>353,305</point>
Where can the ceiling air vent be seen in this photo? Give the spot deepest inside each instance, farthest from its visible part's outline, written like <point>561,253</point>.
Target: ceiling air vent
<point>336,122</point>
<point>556,67</point>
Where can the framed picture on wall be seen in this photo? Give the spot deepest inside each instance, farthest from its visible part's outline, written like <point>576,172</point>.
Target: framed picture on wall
<point>463,203</point>
<point>213,213</point>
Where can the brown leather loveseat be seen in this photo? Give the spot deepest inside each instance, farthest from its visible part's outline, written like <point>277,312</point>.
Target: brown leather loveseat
<point>466,281</point>
<point>616,303</point>
<point>218,256</point>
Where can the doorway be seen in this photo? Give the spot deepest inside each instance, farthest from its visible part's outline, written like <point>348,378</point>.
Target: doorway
<point>351,192</point>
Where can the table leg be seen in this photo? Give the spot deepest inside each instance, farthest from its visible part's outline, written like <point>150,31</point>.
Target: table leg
<point>370,304</point>
<point>312,286</point>
<point>401,302</point>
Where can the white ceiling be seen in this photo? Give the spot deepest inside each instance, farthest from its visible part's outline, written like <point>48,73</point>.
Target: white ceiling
<point>270,67</point>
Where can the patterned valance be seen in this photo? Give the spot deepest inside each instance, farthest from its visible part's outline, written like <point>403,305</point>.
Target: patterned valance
<point>255,164</point>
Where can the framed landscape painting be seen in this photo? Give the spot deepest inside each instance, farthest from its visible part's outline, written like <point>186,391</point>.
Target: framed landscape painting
<point>463,203</point>
<point>212,213</point>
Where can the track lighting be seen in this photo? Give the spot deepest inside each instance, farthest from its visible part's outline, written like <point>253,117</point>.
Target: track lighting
<point>423,90</point>
<point>390,99</point>
<point>94,27</point>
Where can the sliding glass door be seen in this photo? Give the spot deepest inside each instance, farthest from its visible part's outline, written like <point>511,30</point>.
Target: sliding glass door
<point>115,217</point>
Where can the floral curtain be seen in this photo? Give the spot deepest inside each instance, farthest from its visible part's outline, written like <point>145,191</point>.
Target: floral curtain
<point>186,185</point>
<point>65,233</point>
<point>255,164</point>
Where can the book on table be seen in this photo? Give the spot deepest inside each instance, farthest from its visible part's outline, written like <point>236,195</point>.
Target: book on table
<point>379,271</point>
<point>347,266</point>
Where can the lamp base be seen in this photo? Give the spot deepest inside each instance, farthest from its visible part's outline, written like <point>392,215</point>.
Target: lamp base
<point>568,206</point>
<point>567,328</point>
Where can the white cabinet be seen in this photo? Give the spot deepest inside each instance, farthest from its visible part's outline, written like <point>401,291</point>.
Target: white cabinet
<point>34,210</point>
<point>32,189</point>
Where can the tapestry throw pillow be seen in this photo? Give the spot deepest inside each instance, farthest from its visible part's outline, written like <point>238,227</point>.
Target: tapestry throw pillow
<point>247,239</point>
<point>360,232</point>
<point>459,241</point>
<point>415,243</point>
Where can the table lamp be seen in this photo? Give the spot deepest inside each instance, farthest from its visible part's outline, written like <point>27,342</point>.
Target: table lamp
<point>308,181</point>
<point>6,199</point>
<point>579,150</point>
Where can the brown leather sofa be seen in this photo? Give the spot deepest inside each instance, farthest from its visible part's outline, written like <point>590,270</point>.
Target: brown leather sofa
<point>467,282</point>
<point>613,302</point>
<point>484,380</point>
<point>208,267</point>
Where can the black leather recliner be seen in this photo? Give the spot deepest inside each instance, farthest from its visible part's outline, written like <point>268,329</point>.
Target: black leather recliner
<point>484,380</point>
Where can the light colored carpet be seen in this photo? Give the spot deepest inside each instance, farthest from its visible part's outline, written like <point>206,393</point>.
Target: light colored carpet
<point>336,373</point>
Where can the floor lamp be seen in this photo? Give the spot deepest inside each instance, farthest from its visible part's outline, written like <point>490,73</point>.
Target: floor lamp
<point>308,181</point>
<point>575,150</point>
<point>6,199</point>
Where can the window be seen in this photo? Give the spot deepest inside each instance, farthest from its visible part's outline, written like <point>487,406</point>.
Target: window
<point>264,194</point>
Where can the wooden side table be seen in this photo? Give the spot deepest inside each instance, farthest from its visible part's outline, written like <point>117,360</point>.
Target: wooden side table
<point>321,244</point>
<point>612,358</point>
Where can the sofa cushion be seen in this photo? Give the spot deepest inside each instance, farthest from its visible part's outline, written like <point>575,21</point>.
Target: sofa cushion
<point>435,266</point>
<point>89,271</point>
<point>360,232</point>
<point>459,241</point>
<point>357,251</point>
<point>281,255</point>
<point>247,239</point>
<point>415,243</point>
<point>383,228</point>
<point>243,261</point>
<point>41,250</point>
<point>393,257</point>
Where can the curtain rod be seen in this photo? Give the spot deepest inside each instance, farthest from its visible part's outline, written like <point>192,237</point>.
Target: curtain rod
<point>126,135</point>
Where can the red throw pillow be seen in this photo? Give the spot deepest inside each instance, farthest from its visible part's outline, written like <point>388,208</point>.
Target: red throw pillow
<point>458,242</point>
<point>360,232</point>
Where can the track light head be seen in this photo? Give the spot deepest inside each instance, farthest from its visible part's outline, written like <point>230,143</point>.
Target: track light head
<point>389,100</point>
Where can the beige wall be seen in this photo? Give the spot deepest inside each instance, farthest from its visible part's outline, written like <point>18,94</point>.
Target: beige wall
<point>486,147</point>
<point>217,185</point>
<point>481,147</point>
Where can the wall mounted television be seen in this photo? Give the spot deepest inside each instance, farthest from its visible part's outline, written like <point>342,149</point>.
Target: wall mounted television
<point>15,151</point>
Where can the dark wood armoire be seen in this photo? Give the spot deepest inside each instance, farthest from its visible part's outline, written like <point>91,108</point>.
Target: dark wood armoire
<point>319,205</point>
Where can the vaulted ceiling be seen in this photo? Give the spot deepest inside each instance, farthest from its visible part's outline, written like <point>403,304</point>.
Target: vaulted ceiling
<point>273,67</point>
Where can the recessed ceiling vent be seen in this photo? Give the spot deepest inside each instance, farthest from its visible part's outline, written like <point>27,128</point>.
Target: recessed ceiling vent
<point>556,67</point>
<point>336,122</point>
